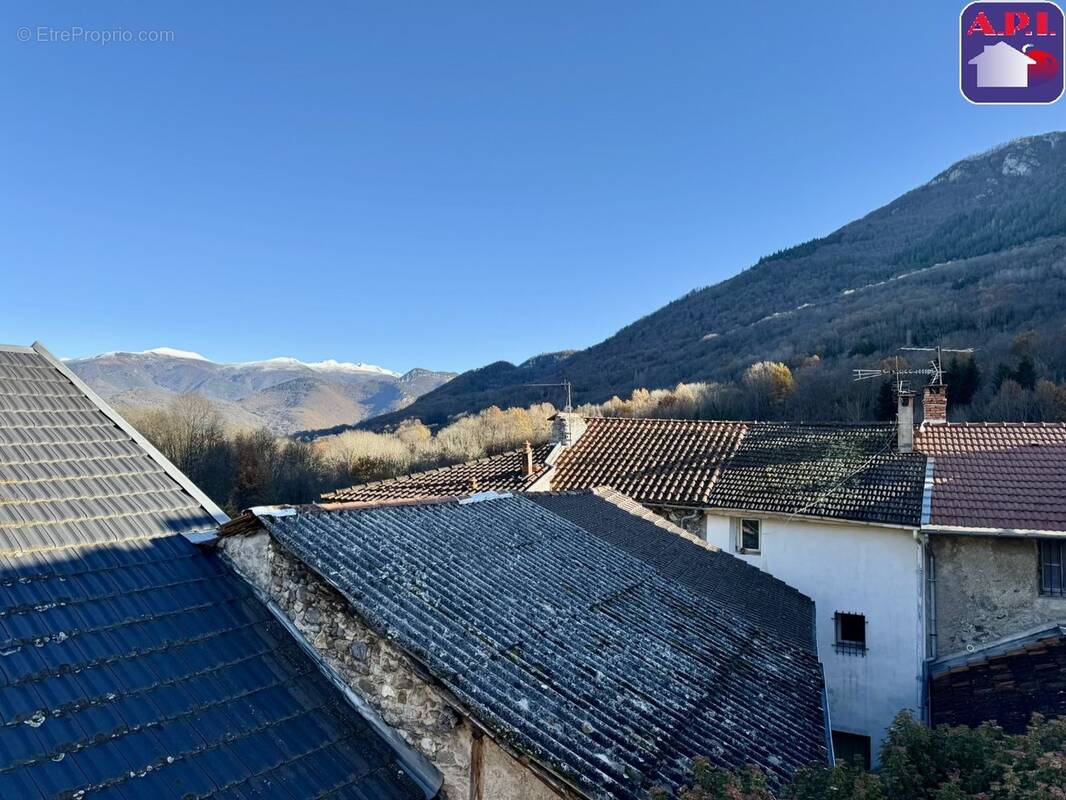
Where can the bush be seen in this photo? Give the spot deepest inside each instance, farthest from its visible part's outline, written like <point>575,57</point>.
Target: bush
<point>918,763</point>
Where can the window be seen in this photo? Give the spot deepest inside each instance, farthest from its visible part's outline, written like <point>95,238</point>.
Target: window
<point>749,536</point>
<point>846,746</point>
<point>1052,569</point>
<point>851,633</point>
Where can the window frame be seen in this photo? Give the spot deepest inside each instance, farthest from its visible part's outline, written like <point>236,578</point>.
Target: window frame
<point>850,647</point>
<point>1051,567</point>
<point>739,543</point>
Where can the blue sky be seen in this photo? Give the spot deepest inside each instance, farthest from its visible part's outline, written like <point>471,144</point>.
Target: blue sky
<point>445,184</point>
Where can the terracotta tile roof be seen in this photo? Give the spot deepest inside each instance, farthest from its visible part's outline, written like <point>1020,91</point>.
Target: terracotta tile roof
<point>1007,682</point>
<point>997,475</point>
<point>500,473</point>
<point>837,471</point>
<point>669,461</point>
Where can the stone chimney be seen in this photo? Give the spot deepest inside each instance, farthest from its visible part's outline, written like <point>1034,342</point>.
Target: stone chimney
<point>567,427</point>
<point>528,462</point>
<point>905,421</point>
<point>935,404</point>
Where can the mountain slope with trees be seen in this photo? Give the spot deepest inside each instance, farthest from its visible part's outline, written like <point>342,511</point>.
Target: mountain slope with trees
<point>975,257</point>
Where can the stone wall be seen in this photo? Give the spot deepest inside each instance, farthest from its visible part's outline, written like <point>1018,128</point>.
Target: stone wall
<point>382,675</point>
<point>988,588</point>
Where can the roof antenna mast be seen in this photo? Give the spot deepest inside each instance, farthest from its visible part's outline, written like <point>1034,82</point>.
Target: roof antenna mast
<point>935,370</point>
<point>566,385</point>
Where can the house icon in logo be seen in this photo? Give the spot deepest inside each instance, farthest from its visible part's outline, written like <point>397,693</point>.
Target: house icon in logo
<point>1000,66</point>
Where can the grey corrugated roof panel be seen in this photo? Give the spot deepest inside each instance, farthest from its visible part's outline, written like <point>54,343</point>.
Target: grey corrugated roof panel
<point>745,589</point>
<point>574,652</point>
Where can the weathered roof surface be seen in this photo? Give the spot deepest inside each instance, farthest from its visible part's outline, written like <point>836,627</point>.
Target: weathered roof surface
<point>1006,681</point>
<point>837,471</point>
<point>132,665</point>
<point>574,652</point>
<point>1004,475</point>
<point>669,461</point>
<point>728,581</point>
<point>504,472</point>
<point>848,472</point>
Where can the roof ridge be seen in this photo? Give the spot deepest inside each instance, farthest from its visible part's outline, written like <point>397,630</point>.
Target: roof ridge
<point>628,504</point>
<point>138,439</point>
<point>761,422</point>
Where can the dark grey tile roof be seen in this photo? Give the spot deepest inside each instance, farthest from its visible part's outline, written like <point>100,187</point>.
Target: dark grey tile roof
<point>727,581</point>
<point>504,472</point>
<point>71,474</point>
<point>133,665</point>
<point>574,652</point>
<point>146,669</point>
<point>848,472</point>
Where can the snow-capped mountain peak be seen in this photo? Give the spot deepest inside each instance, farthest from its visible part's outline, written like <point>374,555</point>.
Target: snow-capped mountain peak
<point>281,362</point>
<point>173,352</point>
<point>329,365</point>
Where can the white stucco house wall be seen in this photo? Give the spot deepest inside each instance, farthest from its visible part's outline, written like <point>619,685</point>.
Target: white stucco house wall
<point>867,570</point>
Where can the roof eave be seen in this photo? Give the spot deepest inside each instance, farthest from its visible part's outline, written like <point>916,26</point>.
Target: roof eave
<point>1001,533</point>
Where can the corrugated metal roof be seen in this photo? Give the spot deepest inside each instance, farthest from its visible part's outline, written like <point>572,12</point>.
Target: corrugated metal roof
<point>575,652</point>
<point>132,665</point>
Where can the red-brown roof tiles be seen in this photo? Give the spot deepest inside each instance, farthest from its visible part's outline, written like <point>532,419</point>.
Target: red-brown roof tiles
<point>997,475</point>
<point>504,472</point>
<point>669,461</point>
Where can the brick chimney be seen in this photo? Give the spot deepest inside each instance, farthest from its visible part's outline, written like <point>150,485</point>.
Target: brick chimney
<point>567,427</point>
<point>905,421</point>
<point>935,403</point>
<point>528,463</point>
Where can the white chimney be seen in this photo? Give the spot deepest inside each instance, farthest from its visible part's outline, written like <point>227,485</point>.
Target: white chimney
<point>567,427</point>
<point>905,421</point>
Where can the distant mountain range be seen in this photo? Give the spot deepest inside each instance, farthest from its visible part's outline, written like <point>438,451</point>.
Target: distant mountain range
<point>974,257</point>
<point>282,394</point>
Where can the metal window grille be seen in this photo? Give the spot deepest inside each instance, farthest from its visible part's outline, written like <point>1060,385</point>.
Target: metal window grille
<point>1052,569</point>
<point>851,633</point>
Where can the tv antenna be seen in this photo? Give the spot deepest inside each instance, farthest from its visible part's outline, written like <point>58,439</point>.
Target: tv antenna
<point>935,370</point>
<point>566,385</point>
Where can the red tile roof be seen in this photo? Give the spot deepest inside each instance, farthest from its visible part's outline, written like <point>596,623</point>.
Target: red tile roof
<point>1001,475</point>
<point>504,472</point>
<point>669,461</point>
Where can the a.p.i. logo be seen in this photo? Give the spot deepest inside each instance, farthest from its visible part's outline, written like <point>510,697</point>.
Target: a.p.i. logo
<point>1011,52</point>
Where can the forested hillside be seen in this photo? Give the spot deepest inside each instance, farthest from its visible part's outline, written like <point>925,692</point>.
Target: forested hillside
<point>976,257</point>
